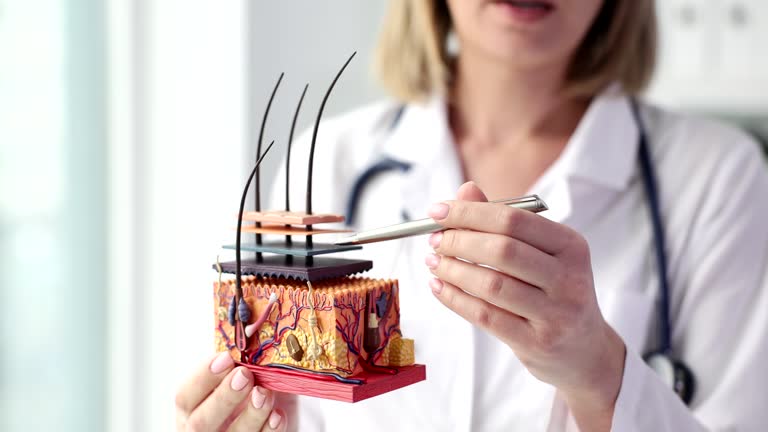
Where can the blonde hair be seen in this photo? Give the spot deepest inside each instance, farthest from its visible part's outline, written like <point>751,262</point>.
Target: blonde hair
<point>412,60</point>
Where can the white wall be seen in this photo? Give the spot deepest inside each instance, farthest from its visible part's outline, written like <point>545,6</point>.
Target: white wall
<point>309,41</point>
<point>177,99</point>
<point>52,216</point>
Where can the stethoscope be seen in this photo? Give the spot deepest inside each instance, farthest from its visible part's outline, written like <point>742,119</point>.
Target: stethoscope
<point>671,370</point>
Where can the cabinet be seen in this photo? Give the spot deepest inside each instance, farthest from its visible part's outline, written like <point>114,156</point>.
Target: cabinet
<point>713,56</point>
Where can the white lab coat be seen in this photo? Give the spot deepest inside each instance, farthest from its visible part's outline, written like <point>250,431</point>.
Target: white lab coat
<point>714,202</point>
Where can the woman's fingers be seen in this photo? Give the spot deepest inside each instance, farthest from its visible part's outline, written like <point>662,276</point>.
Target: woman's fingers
<point>234,415</point>
<point>528,227</point>
<point>217,397</point>
<point>276,422</point>
<point>212,413</point>
<point>508,327</point>
<point>258,413</point>
<point>470,192</point>
<point>202,383</point>
<point>490,285</point>
<point>509,255</point>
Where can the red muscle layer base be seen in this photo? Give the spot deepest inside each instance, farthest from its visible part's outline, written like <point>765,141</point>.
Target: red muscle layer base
<point>375,384</point>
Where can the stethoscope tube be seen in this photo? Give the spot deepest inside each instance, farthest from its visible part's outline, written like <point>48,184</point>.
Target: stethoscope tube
<point>654,207</point>
<point>358,187</point>
<point>674,372</point>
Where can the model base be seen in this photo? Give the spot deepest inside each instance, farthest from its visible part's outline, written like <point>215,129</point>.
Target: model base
<point>308,384</point>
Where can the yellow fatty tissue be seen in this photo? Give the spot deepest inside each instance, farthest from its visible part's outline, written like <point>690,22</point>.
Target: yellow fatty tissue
<point>334,351</point>
<point>401,352</point>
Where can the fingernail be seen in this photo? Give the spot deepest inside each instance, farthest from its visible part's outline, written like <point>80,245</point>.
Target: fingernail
<point>432,261</point>
<point>240,380</point>
<point>258,398</point>
<point>274,419</point>
<point>263,391</point>
<point>222,362</point>
<point>435,239</point>
<point>438,211</point>
<point>436,285</point>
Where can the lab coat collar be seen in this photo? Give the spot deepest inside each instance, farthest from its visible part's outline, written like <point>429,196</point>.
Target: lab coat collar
<point>422,131</point>
<point>602,149</point>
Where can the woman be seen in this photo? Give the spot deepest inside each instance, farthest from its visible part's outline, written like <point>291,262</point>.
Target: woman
<point>532,322</point>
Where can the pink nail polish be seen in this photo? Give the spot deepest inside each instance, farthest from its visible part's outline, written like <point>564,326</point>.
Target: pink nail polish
<point>435,239</point>
<point>438,211</point>
<point>436,285</point>
<point>257,398</point>
<point>432,261</point>
<point>241,379</point>
<point>274,419</point>
<point>222,362</point>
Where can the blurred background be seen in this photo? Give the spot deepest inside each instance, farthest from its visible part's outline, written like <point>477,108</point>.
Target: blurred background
<point>126,128</point>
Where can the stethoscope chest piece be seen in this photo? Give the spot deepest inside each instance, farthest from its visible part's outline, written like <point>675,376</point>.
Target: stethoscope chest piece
<point>674,374</point>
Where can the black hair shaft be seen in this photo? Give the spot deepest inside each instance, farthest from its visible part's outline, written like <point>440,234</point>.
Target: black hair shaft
<point>314,134</point>
<point>257,186</point>
<point>238,262</point>
<point>308,242</point>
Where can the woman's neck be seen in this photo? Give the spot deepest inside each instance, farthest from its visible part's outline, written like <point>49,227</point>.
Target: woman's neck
<point>495,104</point>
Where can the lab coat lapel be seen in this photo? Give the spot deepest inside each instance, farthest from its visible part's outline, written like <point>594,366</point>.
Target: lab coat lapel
<point>422,139</point>
<point>597,166</point>
<point>598,161</point>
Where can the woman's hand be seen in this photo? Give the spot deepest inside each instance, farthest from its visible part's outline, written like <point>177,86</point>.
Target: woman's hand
<point>219,397</point>
<point>528,281</point>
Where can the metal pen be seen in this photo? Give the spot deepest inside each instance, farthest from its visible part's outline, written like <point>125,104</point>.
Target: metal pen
<point>531,203</point>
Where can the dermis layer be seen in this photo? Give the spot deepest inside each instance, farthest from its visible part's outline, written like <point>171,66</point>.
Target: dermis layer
<point>342,308</point>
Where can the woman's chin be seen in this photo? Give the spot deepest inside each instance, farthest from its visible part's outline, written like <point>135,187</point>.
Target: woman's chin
<point>520,52</point>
